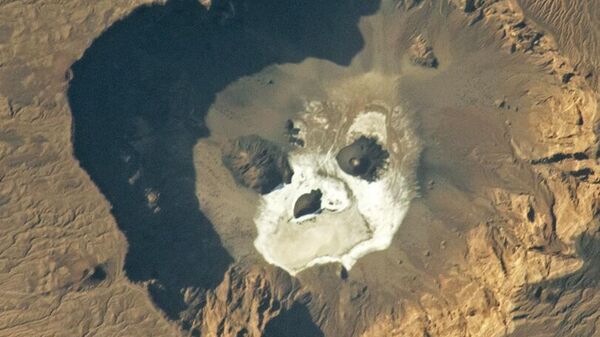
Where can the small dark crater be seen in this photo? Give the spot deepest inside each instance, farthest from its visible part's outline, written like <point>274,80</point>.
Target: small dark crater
<point>258,164</point>
<point>308,203</point>
<point>364,158</point>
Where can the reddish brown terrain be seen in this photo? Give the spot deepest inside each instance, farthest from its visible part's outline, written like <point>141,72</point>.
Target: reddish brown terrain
<point>128,209</point>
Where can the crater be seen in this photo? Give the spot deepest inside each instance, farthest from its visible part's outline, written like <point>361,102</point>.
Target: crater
<point>308,203</point>
<point>139,96</point>
<point>288,135</point>
<point>363,158</point>
<point>348,195</point>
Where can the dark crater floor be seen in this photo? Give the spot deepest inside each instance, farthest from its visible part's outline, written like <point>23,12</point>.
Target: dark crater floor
<point>139,96</point>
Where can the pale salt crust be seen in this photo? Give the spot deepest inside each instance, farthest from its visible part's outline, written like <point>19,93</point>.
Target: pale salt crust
<point>357,217</point>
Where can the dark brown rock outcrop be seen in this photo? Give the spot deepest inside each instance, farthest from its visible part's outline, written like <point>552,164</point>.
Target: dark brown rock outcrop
<point>258,164</point>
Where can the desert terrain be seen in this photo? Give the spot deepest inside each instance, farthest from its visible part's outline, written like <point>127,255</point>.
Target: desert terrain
<point>348,168</point>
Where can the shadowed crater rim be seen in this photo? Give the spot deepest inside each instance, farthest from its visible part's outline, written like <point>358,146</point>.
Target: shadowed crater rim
<point>139,96</point>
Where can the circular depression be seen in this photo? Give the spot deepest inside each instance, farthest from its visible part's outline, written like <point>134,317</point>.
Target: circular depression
<point>353,152</point>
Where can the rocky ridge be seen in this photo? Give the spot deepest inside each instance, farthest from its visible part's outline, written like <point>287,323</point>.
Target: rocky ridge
<point>530,267</point>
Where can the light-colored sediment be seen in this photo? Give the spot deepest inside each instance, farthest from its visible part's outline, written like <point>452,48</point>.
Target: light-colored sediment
<point>358,216</point>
